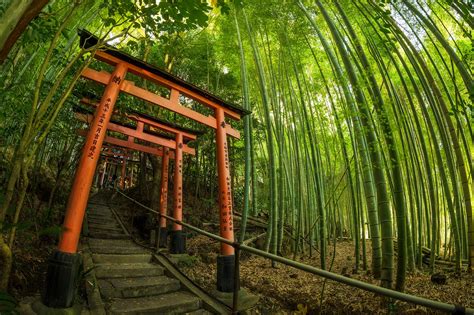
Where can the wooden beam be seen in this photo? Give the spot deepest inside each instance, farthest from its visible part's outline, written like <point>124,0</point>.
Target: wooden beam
<point>111,158</point>
<point>136,134</point>
<point>116,150</point>
<point>157,125</point>
<point>103,56</point>
<point>149,138</point>
<point>129,145</point>
<point>138,118</point>
<point>115,155</point>
<point>172,104</point>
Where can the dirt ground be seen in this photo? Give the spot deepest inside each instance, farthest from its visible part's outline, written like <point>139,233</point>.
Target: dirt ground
<point>286,290</point>
<point>29,264</point>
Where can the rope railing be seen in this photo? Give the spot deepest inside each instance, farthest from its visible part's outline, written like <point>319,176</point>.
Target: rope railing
<point>441,306</point>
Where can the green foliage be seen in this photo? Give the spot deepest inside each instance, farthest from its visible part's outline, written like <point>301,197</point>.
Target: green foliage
<point>7,304</point>
<point>6,226</point>
<point>51,231</point>
<point>155,16</point>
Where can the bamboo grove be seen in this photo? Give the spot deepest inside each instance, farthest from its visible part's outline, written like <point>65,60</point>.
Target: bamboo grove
<point>367,113</point>
<point>361,126</point>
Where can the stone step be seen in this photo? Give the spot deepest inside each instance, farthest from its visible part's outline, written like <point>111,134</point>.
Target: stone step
<point>200,311</point>
<point>97,228</point>
<point>109,242</point>
<point>96,201</point>
<point>119,259</point>
<point>124,250</point>
<point>171,303</point>
<point>98,208</point>
<point>137,287</point>
<point>110,221</point>
<point>127,270</point>
<point>105,228</point>
<point>100,217</point>
<point>102,220</point>
<point>109,235</point>
<point>98,205</point>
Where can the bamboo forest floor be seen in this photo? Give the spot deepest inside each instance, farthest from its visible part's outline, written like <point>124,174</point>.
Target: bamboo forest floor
<point>288,290</point>
<point>282,290</point>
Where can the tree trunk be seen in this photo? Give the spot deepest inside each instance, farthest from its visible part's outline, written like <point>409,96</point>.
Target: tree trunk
<point>21,198</point>
<point>14,22</point>
<point>5,264</point>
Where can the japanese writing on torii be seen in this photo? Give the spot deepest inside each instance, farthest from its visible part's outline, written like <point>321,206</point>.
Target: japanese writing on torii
<point>180,171</point>
<point>105,109</point>
<point>226,197</point>
<point>164,189</point>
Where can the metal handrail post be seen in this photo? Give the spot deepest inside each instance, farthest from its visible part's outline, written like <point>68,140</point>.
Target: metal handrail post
<point>235,297</point>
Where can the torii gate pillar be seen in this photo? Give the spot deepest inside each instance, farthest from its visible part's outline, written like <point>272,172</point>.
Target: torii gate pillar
<point>178,239</point>
<point>163,236</point>
<point>225,262</point>
<point>123,174</point>
<point>63,269</point>
<point>102,177</point>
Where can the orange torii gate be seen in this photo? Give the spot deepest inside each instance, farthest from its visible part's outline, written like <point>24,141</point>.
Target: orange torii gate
<point>111,150</point>
<point>185,134</point>
<point>105,154</point>
<point>124,144</point>
<point>64,264</point>
<point>108,161</point>
<point>115,156</point>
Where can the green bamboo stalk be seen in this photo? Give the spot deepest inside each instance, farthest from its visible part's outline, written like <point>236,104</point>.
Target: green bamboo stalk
<point>270,144</point>
<point>379,176</point>
<point>247,132</point>
<point>460,165</point>
<point>387,246</point>
<point>430,128</point>
<point>466,76</point>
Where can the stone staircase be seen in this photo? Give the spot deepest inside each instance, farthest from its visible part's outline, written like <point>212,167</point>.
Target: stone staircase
<point>128,281</point>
